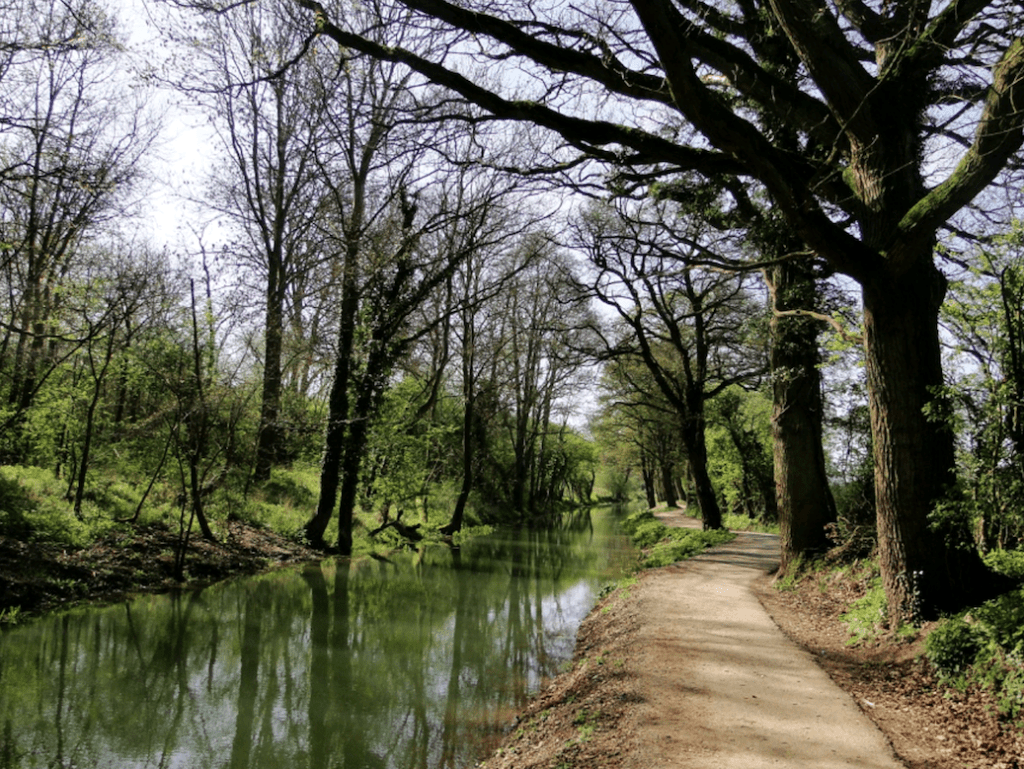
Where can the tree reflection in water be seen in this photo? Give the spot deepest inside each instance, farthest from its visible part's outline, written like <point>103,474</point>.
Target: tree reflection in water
<point>412,662</point>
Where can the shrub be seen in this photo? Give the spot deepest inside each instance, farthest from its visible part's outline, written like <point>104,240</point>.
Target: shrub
<point>984,646</point>
<point>33,507</point>
<point>1008,562</point>
<point>634,521</point>
<point>669,544</point>
<point>684,543</point>
<point>1002,620</point>
<point>952,647</point>
<point>648,534</point>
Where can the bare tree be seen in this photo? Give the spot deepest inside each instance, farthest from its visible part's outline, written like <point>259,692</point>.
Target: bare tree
<point>73,143</point>
<point>269,112</point>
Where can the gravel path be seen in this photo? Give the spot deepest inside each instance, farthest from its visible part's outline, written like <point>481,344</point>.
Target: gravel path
<point>723,688</point>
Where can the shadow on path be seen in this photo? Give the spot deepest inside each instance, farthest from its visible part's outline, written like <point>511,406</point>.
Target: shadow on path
<point>723,688</point>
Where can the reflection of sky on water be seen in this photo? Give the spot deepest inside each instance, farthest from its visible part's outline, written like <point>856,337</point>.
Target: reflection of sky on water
<point>415,663</point>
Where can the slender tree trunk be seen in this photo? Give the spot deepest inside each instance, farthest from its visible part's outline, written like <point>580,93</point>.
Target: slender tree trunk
<point>803,497</point>
<point>468,459</point>
<point>338,407</point>
<point>697,459</point>
<point>334,445</point>
<point>90,428</point>
<point>668,485</point>
<point>268,447</point>
<point>648,479</point>
<point>196,423</point>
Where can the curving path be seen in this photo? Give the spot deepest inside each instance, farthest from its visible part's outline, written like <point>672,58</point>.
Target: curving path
<point>723,688</point>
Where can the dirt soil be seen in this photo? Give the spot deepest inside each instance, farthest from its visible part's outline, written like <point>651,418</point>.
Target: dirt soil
<point>36,578</point>
<point>653,685</point>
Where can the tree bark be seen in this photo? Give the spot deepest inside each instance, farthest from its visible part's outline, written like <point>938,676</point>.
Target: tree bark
<point>268,447</point>
<point>338,401</point>
<point>923,570</point>
<point>803,497</point>
<point>334,445</point>
<point>648,480</point>
<point>468,458</point>
<point>697,459</point>
<point>668,484</point>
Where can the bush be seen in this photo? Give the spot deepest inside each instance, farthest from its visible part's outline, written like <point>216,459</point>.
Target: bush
<point>33,507</point>
<point>1002,621</point>
<point>1007,562</point>
<point>668,544</point>
<point>984,646</point>
<point>632,522</point>
<point>648,534</point>
<point>953,647</point>
<point>680,544</point>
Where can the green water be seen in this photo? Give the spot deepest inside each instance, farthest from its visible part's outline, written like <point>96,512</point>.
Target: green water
<point>418,661</point>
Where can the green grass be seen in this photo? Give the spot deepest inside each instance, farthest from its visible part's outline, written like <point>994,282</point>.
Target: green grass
<point>866,617</point>
<point>737,522</point>
<point>663,544</point>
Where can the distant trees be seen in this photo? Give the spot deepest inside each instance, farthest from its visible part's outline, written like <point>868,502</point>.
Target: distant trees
<point>638,427</point>
<point>694,329</point>
<point>985,317</point>
<point>542,338</point>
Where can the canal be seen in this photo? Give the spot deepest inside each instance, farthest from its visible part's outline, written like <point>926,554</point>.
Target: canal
<point>416,661</point>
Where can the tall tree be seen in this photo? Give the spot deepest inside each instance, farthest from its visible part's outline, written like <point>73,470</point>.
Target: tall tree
<point>803,496</point>
<point>541,332</point>
<point>388,191</point>
<point>859,188</point>
<point>269,118</point>
<point>489,240</point>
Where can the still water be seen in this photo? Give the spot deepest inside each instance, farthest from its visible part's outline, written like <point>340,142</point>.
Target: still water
<point>417,661</point>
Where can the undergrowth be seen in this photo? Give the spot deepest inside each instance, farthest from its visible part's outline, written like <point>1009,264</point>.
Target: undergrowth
<point>984,645</point>
<point>867,616</point>
<point>738,522</point>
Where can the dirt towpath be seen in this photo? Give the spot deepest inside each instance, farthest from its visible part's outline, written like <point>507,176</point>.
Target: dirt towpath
<point>723,688</point>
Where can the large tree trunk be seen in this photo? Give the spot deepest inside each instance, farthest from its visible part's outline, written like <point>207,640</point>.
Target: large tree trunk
<point>803,497</point>
<point>923,571</point>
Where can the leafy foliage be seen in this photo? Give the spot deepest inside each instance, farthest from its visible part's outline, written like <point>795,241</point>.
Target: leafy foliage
<point>984,646</point>
<point>740,455</point>
<point>867,615</point>
<point>33,506</point>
